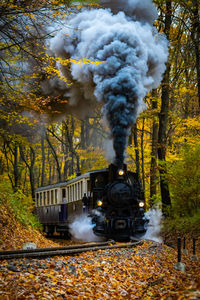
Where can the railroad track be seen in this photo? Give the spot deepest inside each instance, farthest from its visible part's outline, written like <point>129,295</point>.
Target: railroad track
<point>64,251</point>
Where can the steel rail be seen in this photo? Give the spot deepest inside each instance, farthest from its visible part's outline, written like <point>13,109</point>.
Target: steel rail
<point>63,252</point>
<point>57,248</point>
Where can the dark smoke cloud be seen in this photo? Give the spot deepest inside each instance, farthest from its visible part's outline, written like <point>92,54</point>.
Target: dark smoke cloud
<point>135,56</point>
<point>137,10</point>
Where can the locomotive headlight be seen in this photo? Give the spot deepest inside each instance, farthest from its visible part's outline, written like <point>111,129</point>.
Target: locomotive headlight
<point>121,172</point>
<point>141,204</point>
<point>99,203</point>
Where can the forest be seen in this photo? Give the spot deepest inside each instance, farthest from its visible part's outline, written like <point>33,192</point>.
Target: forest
<point>45,139</point>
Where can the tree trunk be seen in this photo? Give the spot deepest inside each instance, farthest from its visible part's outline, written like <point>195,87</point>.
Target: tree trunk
<point>163,118</point>
<point>43,161</point>
<point>32,177</point>
<point>137,157</point>
<point>15,168</point>
<point>153,167</point>
<point>38,176</point>
<point>66,151</point>
<point>196,40</point>
<point>55,157</point>
<point>87,133</point>
<point>11,152</point>
<point>49,178</point>
<point>83,143</point>
<point>69,130</point>
<point>77,164</point>
<point>24,181</point>
<point>30,167</point>
<point>54,173</point>
<point>142,156</point>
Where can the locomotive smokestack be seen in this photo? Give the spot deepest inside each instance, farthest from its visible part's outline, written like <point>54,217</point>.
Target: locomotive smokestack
<point>134,56</point>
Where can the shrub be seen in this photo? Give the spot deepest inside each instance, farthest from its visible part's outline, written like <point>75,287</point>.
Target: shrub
<point>19,204</point>
<point>182,225</point>
<point>184,180</point>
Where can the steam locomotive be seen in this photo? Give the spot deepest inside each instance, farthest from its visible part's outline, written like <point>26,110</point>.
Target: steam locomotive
<point>115,203</point>
<point>120,205</point>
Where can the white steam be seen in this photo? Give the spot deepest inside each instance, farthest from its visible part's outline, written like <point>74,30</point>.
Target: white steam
<point>154,227</point>
<point>109,151</point>
<point>134,54</point>
<point>82,229</point>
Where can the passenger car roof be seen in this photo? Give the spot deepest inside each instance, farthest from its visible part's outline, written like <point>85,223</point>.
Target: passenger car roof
<point>64,183</point>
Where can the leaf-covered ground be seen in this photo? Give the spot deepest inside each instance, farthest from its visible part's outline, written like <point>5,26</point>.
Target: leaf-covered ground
<point>144,272</point>
<point>13,234</point>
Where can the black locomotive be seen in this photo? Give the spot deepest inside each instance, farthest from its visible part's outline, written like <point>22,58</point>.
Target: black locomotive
<point>120,205</point>
<point>115,203</point>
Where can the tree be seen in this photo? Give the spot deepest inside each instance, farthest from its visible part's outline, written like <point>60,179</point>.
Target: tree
<point>192,11</point>
<point>10,149</point>
<point>154,141</point>
<point>163,116</point>
<point>29,160</point>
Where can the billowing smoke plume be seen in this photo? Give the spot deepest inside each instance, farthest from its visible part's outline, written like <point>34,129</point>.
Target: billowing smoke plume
<point>134,54</point>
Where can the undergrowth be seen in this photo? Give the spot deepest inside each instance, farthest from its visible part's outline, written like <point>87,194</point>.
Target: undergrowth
<point>182,225</point>
<point>19,204</point>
